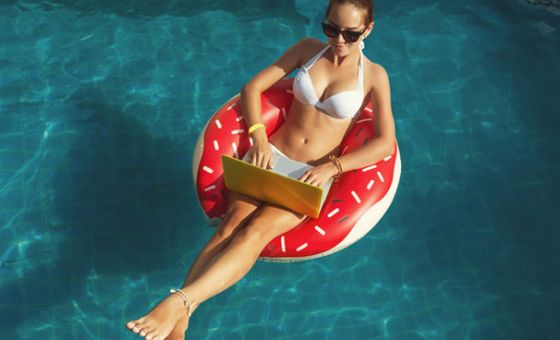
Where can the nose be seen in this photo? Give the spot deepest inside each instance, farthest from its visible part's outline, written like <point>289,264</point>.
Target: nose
<point>340,38</point>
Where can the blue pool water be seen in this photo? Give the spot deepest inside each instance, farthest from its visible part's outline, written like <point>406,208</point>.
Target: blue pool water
<point>100,107</point>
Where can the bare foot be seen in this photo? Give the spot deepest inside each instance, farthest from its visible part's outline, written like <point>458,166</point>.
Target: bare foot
<point>161,320</point>
<point>178,333</point>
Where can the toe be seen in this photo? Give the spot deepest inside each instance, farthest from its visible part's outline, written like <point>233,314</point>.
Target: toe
<point>147,330</point>
<point>151,335</point>
<point>134,323</point>
<point>139,326</point>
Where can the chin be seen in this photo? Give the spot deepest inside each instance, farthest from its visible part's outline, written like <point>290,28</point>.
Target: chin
<point>343,53</point>
<point>343,50</point>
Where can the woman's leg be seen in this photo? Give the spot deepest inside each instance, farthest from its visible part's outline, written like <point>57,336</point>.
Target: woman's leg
<point>240,209</point>
<point>238,258</point>
<point>224,270</point>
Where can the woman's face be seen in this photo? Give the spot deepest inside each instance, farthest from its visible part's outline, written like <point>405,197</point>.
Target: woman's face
<point>346,17</point>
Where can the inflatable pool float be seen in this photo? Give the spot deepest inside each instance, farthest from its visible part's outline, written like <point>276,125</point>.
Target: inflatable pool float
<point>354,204</point>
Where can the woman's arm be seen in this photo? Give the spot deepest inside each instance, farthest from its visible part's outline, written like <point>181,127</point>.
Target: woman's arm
<point>381,146</point>
<point>251,92</point>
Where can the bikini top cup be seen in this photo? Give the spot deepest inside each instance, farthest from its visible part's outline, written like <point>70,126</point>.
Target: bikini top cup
<point>342,105</point>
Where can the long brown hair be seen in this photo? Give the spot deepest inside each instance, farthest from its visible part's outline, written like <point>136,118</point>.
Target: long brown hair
<point>365,5</point>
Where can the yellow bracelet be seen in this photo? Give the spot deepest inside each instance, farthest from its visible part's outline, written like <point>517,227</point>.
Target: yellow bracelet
<point>256,126</point>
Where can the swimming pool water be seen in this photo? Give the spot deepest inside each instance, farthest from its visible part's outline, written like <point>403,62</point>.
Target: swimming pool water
<point>100,107</point>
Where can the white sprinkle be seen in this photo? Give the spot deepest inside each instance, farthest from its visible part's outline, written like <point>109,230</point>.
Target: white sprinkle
<point>238,119</point>
<point>211,187</point>
<point>303,246</point>
<point>369,168</point>
<point>207,169</point>
<point>283,242</point>
<point>319,230</point>
<point>289,91</point>
<point>332,213</point>
<point>363,120</point>
<point>387,158</point>
<point>232,105</point>
<point>356,197</point>
<point>368,109</point>
<point>234,146</point>
<point>218,124</point>
<point>284,112</point>
<point>216,146</point>
<point>380,176</point>
<point>236,132</point>
<point>370,184</point>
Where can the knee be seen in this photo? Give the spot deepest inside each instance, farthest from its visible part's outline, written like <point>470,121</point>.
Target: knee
<point>255,231</point>
<point>233,221</point>
<point>225,229</point>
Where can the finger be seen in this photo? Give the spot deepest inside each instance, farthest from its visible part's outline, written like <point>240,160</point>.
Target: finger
<point>263,161</point>
<point>258,160</point>
<point>253,159</point>
<point>311,176</point>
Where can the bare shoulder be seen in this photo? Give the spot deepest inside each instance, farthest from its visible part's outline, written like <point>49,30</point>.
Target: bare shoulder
<point>308,47</point>
<point>375,74</point>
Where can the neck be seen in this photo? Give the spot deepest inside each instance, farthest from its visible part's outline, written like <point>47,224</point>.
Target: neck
<point>344,60</point>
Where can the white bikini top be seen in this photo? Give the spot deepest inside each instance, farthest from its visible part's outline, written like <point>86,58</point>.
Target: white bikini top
<point>342,105</point>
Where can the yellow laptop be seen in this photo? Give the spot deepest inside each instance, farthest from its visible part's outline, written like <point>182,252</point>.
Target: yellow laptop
<point>279,186</point>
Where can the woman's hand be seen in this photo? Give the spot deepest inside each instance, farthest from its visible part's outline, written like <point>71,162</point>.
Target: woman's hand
<point>320,174</point>
<point>260,154</point>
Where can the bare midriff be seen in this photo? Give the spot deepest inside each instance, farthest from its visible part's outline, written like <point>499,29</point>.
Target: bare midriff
<point>309,135</point>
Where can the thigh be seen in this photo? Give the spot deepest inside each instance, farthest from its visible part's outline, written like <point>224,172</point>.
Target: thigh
<point>272,220</point>
<point>239,210</point>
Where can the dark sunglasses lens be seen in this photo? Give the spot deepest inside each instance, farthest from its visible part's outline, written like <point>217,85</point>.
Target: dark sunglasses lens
<point>329,30</point>
<point>351,36</point>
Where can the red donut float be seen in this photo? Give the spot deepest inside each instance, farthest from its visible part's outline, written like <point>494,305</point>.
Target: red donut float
<point>352,208</point>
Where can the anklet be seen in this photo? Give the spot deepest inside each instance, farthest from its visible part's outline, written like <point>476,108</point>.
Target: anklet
<point>185,299</point>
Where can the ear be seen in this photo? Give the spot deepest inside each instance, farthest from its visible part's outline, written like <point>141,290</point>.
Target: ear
<point>370,28</point>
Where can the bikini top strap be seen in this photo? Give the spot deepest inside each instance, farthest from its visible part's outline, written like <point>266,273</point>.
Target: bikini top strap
<point>316,57</point>
<point>361,72</point>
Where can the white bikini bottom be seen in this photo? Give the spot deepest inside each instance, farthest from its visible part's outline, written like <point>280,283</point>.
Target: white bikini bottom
<point>289,167</point>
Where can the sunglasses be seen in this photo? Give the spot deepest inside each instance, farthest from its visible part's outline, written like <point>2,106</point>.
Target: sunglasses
<point>332,31</point>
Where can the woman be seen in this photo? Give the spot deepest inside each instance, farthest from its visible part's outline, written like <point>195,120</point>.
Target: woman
<point>334,82</point>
